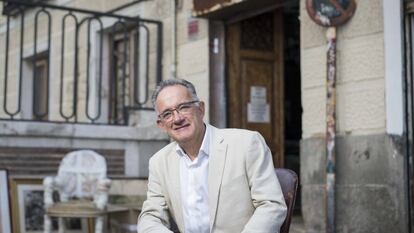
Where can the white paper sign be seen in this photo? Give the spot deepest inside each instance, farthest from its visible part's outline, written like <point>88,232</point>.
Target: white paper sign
<point>258,110</point>
<point>258,113</point>
<point>258,94</point>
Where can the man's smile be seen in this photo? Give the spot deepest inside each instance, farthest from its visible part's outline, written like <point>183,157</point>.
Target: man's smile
<point>181,126</point>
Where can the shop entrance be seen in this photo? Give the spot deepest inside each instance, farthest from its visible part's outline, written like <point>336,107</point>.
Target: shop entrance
<point>255,78</point>
<point>263,81</point>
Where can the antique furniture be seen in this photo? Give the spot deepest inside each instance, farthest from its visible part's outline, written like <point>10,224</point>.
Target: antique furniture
<point>83,188</point>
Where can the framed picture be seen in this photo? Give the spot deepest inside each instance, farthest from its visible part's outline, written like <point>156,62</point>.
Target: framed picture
<point>128,190</point>
<point>28,211</point>
<point>5,223</point>
<point>126,197</point>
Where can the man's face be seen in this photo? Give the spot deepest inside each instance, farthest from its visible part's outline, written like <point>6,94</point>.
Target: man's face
<point>183,127</point>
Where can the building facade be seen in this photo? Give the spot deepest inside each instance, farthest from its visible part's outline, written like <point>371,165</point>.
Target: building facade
<point>371,157</point>
<point>260,65</point>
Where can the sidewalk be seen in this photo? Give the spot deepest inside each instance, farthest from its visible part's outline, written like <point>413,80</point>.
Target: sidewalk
<point>297,226</point>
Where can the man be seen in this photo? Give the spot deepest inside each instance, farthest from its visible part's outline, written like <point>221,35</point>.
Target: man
<point>208,179</point>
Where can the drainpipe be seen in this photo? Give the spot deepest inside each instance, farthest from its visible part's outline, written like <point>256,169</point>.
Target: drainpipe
<point>330,129</point>
<point>325,14</point>
<point>173,39</point>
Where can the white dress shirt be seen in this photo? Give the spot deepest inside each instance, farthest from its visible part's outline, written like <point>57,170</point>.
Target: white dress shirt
<point>194,188</point>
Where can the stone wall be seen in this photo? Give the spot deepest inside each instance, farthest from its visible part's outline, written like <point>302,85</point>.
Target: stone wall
<point>360,73</point>
<point>127,149</point>
<point>370,178</point>
<point>140,139</point>
<point>370,184</point>
<point>190,51</point>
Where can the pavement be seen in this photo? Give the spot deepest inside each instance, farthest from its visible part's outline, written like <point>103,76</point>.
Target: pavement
<point>297,225</point>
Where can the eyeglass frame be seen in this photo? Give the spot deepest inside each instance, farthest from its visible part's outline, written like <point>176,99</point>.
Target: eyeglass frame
<point>176,109</point>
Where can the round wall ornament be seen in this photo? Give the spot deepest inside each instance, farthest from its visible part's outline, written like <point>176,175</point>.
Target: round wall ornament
<point>330,12</point>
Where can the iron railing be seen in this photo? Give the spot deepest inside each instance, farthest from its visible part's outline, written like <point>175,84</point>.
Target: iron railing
<point>122,62</point>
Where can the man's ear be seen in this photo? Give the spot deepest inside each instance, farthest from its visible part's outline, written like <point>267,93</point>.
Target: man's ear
<point>202,107</point>
<point>161,125</point>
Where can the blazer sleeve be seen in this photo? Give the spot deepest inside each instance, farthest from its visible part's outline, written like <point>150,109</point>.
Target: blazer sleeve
<point>154,217</point>
<point>270,208</point>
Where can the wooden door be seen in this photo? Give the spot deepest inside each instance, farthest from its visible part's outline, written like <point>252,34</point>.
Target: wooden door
<point>255,78</point>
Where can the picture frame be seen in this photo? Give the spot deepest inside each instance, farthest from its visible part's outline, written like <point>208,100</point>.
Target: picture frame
<point>28,211</point>
<point>5,220</point>
<point>126,190</point>
<point>125,200</point>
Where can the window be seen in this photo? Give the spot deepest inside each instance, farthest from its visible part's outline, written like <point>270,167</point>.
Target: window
<point>40,89</point>
<point>129,72</point>
<point>35,90</point>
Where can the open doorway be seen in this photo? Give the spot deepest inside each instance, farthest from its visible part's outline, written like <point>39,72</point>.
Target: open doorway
<point>292,90</point>
<point>255,79</point>
<point>263,81</point>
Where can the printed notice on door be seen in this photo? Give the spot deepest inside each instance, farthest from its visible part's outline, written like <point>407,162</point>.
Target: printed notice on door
<point>258,110</point>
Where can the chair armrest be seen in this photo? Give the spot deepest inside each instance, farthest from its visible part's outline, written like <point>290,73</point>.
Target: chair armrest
<point>49,186</point>
<point>103,185</point>
<point>101,197</point>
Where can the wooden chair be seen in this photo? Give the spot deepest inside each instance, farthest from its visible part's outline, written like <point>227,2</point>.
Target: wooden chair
<point>289,183</point>
<point>83,188</point>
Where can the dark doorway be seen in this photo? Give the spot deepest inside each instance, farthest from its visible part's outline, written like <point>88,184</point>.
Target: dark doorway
<point>255,79</point>
<point>292,90</point>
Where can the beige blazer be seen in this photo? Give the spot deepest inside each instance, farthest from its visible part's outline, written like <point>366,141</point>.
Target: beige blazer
<point>244,192</point>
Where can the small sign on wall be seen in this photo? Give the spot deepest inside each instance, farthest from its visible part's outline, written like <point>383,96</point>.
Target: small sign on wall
<point>258,110</point>
<point>192,28</point>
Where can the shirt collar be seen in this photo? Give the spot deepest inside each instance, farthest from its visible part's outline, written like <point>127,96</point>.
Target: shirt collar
<point>205,145</point>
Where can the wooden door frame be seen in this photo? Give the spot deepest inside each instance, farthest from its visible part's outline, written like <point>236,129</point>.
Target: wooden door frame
<point>218,74</point>
<point>217,70</point>
<point>279,86</point>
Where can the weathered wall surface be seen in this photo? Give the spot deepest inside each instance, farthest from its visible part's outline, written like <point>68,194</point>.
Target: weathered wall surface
<point>191,59</point>
<point>191,50</point>
<point>132,146</point>
<point>370,164</point>
<point>370,184</point>
<point>360,73</point>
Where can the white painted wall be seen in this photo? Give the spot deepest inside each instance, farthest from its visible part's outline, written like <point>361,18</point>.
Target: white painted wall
<point>393,66</point>
<point>369,71</point>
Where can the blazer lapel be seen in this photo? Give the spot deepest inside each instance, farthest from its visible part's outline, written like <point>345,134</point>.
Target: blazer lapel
<point>217,160</point>
<point>175,195</point>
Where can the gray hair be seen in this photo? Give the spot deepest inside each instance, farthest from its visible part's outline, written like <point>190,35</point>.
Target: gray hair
<point>173,82</point>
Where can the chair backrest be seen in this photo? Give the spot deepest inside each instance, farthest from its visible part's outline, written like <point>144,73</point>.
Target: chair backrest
<point>289,183</point>
<point>79,172</point>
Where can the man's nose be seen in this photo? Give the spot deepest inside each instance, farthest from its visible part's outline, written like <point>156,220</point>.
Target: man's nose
<point>177,116</point>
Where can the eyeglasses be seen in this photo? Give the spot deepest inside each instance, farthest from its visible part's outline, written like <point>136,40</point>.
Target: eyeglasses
<point>183,108</point>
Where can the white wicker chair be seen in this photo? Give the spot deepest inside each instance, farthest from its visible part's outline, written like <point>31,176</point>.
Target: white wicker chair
<point>83,190</point>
